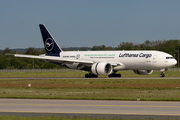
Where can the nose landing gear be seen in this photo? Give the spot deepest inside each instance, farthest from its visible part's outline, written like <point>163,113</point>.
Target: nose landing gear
<point>162,74</point>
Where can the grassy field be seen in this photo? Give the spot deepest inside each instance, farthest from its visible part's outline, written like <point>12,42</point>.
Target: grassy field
<point>81,74</point>
<point>67,118</point>
<point>104,89</point>
<point>100,89</point>
<point>52,118</point>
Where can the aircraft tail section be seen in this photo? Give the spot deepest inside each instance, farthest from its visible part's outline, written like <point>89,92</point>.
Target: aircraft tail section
<point>50,45</point>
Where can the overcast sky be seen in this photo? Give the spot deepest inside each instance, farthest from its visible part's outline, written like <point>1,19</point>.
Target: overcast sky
<point>85,23</point>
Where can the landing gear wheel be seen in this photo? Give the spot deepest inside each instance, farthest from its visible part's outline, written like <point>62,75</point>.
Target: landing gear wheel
<point>162,74</point>
<point>119,75</point>
<point>86,75</point>
<point>90,75</point>
<point>114,74</point>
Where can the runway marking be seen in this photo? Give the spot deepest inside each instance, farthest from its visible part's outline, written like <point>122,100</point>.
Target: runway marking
<point>92,105</point>
<point>89,113</point>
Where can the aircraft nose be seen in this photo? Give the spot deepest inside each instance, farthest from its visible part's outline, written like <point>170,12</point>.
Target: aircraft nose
<point>174,62</point>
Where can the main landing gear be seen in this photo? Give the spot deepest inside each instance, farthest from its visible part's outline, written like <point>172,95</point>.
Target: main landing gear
<point>114,74</point>
<point>162,74</point>
<point>90,75</point>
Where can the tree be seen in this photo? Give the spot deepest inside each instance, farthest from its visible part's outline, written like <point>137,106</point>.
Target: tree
<point>101,47</point>
<point>125,46</point>
<point>84,49</point>
<point>6,51</point>
<point>32,51</point>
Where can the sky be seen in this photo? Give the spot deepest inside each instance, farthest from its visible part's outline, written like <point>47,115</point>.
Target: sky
<point>86,23</point>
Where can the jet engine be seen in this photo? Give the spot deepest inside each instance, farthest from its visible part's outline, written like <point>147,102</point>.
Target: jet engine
<point>101,68</point>
<point>143,72</point>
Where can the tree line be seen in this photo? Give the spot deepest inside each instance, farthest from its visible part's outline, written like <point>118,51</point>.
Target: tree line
<point>10,62</point>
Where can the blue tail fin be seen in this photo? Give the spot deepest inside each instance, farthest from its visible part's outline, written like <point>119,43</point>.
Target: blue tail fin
<point>50,45</point>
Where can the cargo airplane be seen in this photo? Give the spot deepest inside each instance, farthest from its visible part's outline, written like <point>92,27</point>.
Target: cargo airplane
<point>142,62</point>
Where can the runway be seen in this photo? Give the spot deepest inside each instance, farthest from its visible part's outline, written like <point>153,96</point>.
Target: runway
<point>90,108</point>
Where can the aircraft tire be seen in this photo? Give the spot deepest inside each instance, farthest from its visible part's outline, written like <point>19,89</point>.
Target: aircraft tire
<point>119,75</point>
<point>114,75</point>
<point>90,75</point>
<point>86,75</point>
<point>162,75</point>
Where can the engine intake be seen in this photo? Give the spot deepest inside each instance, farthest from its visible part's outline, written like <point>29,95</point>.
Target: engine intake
<point>101,68</point>
<point>143,72</point>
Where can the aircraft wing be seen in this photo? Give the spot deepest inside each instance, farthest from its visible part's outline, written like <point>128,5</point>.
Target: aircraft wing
<point>54,59</point>
<point>60,60</point>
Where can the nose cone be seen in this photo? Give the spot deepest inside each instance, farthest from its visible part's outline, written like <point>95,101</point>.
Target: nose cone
<point>174,62</point>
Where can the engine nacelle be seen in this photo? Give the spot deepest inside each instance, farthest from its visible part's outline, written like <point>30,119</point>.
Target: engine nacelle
<point>101,68</point>
<point>143,72</point>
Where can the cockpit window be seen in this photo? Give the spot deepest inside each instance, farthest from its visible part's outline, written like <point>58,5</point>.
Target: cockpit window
<point>169,58</point>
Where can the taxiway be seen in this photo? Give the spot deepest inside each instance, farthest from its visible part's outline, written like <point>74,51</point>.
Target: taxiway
<point>92,108</point>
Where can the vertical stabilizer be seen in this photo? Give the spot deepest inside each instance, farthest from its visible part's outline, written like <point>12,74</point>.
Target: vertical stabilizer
<point>50,45</point>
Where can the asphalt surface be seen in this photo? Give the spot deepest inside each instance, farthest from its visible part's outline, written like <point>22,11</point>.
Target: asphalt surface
<point>90,108</point>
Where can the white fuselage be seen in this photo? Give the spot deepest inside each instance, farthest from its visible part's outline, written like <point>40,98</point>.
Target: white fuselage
<point>126,60</point>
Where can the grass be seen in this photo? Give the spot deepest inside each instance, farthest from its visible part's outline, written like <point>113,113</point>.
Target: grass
<point>104,89</point>
<point>79,74</point>
<point>51,118</point>
<point>74,118</point>
<point>99,89</point>
<point>41,74</point>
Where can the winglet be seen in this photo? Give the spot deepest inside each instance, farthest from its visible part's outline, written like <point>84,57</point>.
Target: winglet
<point>50,45</point>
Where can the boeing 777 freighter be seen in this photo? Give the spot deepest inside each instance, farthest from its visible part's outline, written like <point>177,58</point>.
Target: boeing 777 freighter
<point>103,62</point>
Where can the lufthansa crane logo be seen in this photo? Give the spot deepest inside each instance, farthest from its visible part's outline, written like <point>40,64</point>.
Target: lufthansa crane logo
<point>49,44</point>
<point>77,56</point>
